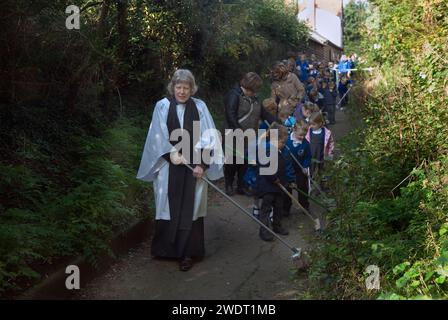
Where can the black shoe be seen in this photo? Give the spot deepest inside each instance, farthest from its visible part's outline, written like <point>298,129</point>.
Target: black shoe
<point>185,264</point>
<point>229,191</point>
<point>248,192</point>
<point>265,235</point>
<point>280,230</point>
<point>244,191</point>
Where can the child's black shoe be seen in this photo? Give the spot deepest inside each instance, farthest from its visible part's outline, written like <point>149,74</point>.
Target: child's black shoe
<point>280,230</point>
<point>229,191</point>
<point>265,235</point>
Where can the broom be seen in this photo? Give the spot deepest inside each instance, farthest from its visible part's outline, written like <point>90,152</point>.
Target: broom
<point>317,224</point>
<point>320,204</point>
<point>296,257</point>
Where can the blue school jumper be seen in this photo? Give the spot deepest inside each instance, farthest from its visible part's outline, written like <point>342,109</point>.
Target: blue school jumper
<point>303,70</point>
<point>265,183</point>
<point>301,151</point>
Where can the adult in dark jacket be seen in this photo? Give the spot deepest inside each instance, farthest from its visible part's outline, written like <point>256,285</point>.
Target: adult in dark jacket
<point>243,111</point>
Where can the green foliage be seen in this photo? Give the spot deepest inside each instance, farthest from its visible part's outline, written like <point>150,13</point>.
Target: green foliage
<point>391,184</point>
<point>246,36</point>
<point>276,22</point>
<point>355,18</point>
<point>41,223</point>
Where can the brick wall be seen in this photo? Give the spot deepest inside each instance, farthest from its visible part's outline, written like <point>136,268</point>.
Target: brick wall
<point>323,53</point>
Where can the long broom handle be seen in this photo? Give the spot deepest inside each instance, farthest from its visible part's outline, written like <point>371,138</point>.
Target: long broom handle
<point>295,250</point>
<point>309,176</point>
<point>312,199</point>
<point>295,201</point>
<point>343,96</point>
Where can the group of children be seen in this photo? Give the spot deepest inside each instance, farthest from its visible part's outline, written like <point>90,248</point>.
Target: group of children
<point>303,142</point>
<point>324,84</point>
<point>302,146</point>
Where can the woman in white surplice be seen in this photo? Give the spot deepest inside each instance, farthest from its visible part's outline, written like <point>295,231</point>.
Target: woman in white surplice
<point>180,194</point>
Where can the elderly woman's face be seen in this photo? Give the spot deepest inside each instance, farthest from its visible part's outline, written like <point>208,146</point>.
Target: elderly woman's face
<point>182,92</point>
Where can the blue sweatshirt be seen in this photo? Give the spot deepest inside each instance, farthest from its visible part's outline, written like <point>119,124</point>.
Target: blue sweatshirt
<point>343,88</point>
<point>303,70</point>
<point>344,66</point>
<point>301,151</point>
<point>329,96</point>
<point>266,183</point>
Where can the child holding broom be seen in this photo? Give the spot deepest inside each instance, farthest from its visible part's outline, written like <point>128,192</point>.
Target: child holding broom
<point>299,148</point>
<point>267,185</point>
<point>250,176</point>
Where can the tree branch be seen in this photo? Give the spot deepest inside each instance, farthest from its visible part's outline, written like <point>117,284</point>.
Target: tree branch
<point>91,4</point>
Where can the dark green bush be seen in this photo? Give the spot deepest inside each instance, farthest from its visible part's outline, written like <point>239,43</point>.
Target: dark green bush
<point>391,183</point>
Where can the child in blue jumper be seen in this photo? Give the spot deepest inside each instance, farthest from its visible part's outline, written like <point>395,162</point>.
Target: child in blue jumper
<point>299,148</point>
<point>250,177</point>
<point>267,184</point>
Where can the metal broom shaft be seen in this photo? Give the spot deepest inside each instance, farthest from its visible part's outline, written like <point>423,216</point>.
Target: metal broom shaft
<point>309,177</point>
<point>343,96</point>
<point>295,250</point>
<point>315,220</point>
<point>312,199</point>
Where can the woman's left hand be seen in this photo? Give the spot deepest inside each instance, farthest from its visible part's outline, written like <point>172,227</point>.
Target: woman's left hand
<point>198,172</point>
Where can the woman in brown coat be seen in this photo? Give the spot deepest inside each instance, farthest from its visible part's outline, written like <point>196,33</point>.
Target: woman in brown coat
<point>285,85</point>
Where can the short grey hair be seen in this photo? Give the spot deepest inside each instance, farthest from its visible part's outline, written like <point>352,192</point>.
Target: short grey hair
<point>184,76</point>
